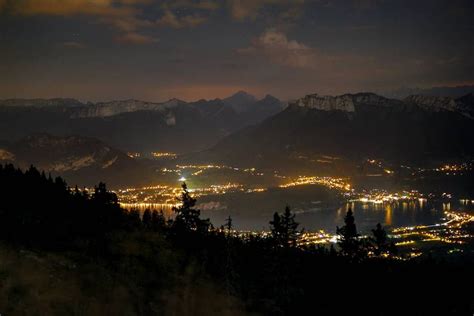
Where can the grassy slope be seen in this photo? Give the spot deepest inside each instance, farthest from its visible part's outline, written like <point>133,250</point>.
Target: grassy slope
<point>142,277</point>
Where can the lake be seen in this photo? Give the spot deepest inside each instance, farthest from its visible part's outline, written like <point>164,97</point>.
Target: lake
<point>317,208</point>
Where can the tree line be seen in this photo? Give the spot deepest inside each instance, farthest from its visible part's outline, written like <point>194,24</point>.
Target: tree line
<point>272,275</point>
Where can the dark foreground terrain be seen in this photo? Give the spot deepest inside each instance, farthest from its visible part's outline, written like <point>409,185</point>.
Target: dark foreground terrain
<point>68,252</point>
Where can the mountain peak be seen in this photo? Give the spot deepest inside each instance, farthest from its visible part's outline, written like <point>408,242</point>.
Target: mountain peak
<point>242,93</point>
<point>269,98</point>
<point>240,100</point>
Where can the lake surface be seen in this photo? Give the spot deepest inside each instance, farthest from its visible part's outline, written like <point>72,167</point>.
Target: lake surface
<point>254,211</point>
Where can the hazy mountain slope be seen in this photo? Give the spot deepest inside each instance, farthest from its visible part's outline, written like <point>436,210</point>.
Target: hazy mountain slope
<point>240,101</point>
<point>81,160</point>
<point>42,103</point>
<point>453,92</point>
<point>133,125</point>
<point>354,126</point>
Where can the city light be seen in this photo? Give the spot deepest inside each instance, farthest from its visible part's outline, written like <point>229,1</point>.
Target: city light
<point>157,154</point>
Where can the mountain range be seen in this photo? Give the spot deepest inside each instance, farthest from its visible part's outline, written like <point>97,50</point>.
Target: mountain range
<point>315,132</point>
<point>321,129</point>
<point>134,125</point>
<point>453,92</point>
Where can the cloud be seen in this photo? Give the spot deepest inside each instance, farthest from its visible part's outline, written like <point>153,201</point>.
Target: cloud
<point>135,38</point>
<point>208,5</point>
<point>250,9</point>
<point>169,19</point>
<point>276,47</point>
<point>126,16</point>
<point>127,23</point>
<point>72,7</point>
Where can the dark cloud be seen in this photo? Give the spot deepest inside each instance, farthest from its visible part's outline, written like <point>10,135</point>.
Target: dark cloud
<point>158,49</point>
<point>170,19</point>
<point>135,38</point>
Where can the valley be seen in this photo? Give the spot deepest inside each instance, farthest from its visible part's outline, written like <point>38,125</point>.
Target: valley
<point>390,161</point>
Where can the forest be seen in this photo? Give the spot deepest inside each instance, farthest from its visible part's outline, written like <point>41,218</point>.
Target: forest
<point>67,251</point>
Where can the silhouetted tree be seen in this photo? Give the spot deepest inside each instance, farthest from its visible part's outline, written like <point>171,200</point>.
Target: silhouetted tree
<point>146,219</point>
<point>228,224</point>
<point>349,241</point>
<point>284,229</point>
<point>39,211</point>
<point>103,196</point>
<point>134,221</point>
<point>381,242</point>
<point>158,221</point>
<point>187,217</point>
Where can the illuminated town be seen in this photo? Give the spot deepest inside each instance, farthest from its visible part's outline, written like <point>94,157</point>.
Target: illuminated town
<point>236,157</point>
<point>410,240</point>
<point>159,155</point>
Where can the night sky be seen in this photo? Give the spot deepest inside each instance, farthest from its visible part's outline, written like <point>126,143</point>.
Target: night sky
<point>155,50</point>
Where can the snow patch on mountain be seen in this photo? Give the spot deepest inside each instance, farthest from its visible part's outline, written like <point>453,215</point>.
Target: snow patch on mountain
<point>109,163</point>
<point>170,119</point>
<point>73,164</point>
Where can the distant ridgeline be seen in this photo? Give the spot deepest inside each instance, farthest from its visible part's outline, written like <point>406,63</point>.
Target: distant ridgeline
<point>357,126</point>
<point>133,125</point>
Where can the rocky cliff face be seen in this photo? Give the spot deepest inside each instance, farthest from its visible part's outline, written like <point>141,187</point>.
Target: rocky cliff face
<point>355,126</point>
<point>350,103</point>
<point>134,125</point>
<point>432,103</point>
<point>327,103</point>
<point>345,103</point>
<point>105,109</point>
<point>461,105</point>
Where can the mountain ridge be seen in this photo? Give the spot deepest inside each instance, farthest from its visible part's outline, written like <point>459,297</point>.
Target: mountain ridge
<point>84,160</point>
<point>354,126</point>
<point>349,102</point>
<point>134,125</point>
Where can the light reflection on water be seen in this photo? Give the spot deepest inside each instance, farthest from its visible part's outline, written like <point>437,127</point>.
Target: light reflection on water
<point>327,217</point>
<point>367,215</point>
<point>141,207</point>
<point>395,214</point>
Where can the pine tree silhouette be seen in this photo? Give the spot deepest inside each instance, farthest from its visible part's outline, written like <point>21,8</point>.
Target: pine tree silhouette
<point>146,219</point>
<point>349,241</point>
<point>187,217</point>
<point>284,229</point>
<point>381,242</point>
